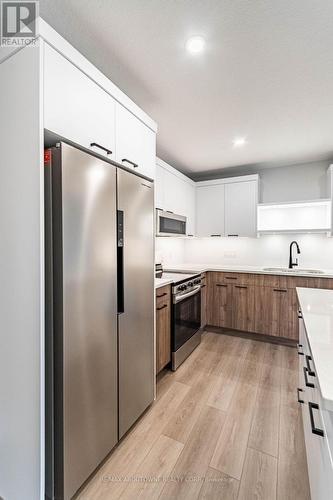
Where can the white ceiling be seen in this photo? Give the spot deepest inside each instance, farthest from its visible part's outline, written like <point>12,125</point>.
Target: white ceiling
<point>267,73</point>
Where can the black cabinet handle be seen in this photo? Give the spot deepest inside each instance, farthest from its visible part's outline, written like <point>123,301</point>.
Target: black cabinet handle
<point>203,286</point>
<point>315,430</point>
<point>300,352</point>
<point>215,235</point>
<point>125,160</point>
<point>162,307</point>
<point>231,278</point>
<point>233,235</point>
<point>162,295</point>
<point>310,371</point>
<point>240,286</point>
<point>221,284</point>
<point>307,383</point>
<point>279,290</point>
<point>298,398</point>
<point>107,151</point>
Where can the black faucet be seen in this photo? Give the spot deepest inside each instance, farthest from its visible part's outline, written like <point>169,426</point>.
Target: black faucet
<point>291,263</point>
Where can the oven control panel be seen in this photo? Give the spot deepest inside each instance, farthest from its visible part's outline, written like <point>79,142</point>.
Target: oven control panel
<point>187,286</point>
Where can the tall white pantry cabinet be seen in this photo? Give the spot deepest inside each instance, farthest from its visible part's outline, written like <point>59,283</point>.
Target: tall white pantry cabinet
<point>48,90</point>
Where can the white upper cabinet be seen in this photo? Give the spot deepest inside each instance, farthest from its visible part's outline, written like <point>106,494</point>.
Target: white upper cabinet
<point>210,210</point>
<point>227,207</point>
<point>189,207</point>
<point>241,199</point>
<point>159,188</point>
<point>302,216</point>
<point>75,107</point>
<point>175,193</point>
<point>78,109</point>
<point>135,143</point>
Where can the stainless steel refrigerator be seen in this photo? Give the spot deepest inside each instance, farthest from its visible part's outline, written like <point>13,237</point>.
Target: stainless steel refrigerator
<point>99,270</point>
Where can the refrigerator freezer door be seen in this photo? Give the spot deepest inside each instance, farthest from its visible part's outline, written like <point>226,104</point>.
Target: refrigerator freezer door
<point>136,322</point>
<point>89,350</point>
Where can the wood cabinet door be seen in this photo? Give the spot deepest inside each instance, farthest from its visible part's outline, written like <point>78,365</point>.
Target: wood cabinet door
<point>288,315</point>
<point>222,305</point>
<point>203,301</point>
<point>266,310</point>
<point>163,336</point>
<point>243,307</point>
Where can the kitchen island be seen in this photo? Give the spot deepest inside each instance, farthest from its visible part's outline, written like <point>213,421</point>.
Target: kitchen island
<point>315,391</point>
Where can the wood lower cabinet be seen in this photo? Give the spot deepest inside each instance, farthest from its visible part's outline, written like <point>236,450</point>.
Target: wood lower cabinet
<point>288,323</point>
<point>220,305</point>
<point>163,327</point>
<point>243,307</point>
<point>203,300</point>
<point>258,303</point>
<point>230,301</point>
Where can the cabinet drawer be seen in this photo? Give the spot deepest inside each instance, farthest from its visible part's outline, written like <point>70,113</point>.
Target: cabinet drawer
<point>320,466</point>
<point>326,283</point>
<point>294,281</point>
<point>163,296</point>
<point>233,278</point>
<point>271,280</point>
<point>328,426</point>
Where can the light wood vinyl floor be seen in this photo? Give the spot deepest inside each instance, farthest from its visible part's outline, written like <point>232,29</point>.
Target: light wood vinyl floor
<point>225,426</point>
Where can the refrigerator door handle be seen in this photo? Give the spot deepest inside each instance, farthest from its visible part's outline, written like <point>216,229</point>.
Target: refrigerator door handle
<point>120,261</point>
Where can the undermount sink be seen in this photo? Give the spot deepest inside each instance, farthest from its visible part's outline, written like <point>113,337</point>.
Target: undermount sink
<point>297,271</point>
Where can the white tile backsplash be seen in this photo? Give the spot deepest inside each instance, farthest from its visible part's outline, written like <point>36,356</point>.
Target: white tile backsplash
<point>169,250</point>
<point>268,250</point>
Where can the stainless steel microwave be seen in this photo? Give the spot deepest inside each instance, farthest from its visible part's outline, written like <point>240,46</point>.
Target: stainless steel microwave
<point>170,224</point>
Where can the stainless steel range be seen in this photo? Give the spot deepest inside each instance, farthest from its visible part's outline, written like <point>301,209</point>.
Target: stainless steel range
<point>186,317</point>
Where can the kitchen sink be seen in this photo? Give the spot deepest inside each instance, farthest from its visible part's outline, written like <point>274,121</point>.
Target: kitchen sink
<point>294,271</point>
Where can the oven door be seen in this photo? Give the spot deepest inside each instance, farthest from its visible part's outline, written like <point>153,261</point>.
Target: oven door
<point>186,317</point>
<point>169,224</point>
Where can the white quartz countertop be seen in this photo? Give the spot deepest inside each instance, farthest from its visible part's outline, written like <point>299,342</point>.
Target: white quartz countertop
<point>317,311</point>
<point>201,268</point>
<point>162,282</point>
<point>173,277</point>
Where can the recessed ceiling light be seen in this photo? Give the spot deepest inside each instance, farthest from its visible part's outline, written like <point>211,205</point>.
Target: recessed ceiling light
<point>239,142</point>
<point>195,44</point>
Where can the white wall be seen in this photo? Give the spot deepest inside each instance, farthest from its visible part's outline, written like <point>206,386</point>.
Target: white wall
<point>21,271</point>
<point>294,182</point>
<point>272,250</point>
<point>169,250</point>
<point>289,183</point>
<point>297,182</point>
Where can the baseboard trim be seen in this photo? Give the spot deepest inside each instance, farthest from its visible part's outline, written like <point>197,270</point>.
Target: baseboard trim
<point>252,336</point>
